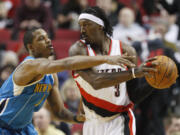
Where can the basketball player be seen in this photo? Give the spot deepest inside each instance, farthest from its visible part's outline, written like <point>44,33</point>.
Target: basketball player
<point>33,81</point>
<point>107,106</point>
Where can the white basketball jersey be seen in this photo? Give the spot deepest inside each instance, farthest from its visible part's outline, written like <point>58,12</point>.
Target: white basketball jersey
<point>105,103</point>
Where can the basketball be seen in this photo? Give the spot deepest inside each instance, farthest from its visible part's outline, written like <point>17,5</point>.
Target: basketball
<point>166,74</point>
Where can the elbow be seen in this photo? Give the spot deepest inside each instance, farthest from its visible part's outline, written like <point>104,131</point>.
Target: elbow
<point>96,84</point>
<point>96,87</point>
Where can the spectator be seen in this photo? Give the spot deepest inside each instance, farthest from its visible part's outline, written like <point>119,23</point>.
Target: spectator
<point>33,13</point>
<point>5,6</point>
<point>62,77</point>
<point>164,27</point>
<point>173,7</point>
<point>63,127</point>
<point>68,15</point>
<point>174,126</point>
<point>111,8</point>
<point>77,129</point>
<point>42,121</point>
<point>127,30</point>
<point>5,72</point>
<point>9,57</point>
<point>71,95</point>
<point>54,5</point>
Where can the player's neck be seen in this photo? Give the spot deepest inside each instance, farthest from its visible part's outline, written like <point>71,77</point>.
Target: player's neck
<point>105,46</point>
<point>102,46</point>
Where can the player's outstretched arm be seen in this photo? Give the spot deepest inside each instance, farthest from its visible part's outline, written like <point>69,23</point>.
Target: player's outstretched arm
<point>33,70</point>
<point>103,80</point>
<point>57,107</point>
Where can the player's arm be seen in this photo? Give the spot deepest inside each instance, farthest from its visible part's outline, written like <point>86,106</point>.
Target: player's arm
<point>33,70</point>
<point>57,106</point>
<point>130,51</point>
<point>102,80</point>
<point>80,108</point>
<point>137,90</point>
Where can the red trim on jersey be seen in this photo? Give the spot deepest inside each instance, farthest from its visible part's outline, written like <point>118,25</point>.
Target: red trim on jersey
<point>110,46</point>
<point>85,46</point>
<point>102,103</point>
<point>74,75</point>
<point>121,50</point>
<point>120,43</point>
<point>130,123</point>
<point>94,52</point>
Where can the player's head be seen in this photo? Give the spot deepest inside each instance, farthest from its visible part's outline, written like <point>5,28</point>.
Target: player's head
<point>37,43</point>
<point>94,24</point>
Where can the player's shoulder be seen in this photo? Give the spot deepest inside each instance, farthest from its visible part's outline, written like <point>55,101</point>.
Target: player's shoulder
<point>78,48</point>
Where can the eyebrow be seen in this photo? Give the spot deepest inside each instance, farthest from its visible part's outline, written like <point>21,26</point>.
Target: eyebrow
<point>38,36</point>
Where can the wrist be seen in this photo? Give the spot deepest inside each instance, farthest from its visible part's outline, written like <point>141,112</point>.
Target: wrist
<point>106,59</point>
<point>76,120</point>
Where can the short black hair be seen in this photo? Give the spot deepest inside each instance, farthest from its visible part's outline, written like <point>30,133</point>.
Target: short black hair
<point>98,12</point>
<point>28,37</point>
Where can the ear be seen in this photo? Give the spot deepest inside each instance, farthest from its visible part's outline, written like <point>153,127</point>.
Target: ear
<point>30,47</point>
<point>100,27</point>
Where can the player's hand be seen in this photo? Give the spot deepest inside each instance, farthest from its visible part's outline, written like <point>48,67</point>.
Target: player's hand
<point>121,60</point>
<point>146,67</point>
<point>80,118</point>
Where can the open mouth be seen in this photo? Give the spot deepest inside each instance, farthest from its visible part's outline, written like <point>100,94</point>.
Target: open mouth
<point>83,36</point>
<point>50,46</point>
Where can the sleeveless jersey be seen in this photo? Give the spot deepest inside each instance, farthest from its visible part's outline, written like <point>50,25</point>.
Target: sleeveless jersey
<point>105,103</point>
<point>17,103</point>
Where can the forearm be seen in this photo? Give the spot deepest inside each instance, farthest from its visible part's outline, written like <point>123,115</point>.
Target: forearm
<point>57,106</point>
<point>65,115</point>
<point>59,111</point>
<point>138,90</point>
<point>70,63</point>
<point>83,62</point>
<point>103,80</point>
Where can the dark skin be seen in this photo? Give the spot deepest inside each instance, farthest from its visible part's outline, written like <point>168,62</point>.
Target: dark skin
<point>33,70</point>
<point>100,44</point>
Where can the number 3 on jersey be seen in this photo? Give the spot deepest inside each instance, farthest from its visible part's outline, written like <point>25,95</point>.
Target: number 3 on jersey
<point>117,92</point>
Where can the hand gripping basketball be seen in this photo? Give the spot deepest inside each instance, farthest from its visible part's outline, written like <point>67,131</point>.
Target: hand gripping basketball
<point>166,74</point>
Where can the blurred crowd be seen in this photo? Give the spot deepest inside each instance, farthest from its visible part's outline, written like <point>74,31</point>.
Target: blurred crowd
<point>152,27</point>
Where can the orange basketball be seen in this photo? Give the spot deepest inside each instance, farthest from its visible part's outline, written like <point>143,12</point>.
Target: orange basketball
<point>166,74</point>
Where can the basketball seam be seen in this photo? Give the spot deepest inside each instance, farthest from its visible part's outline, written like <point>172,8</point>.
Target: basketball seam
<point>164,74</point>
<point>172,80</point>
<point>154,78</point>
<point>168,80</point>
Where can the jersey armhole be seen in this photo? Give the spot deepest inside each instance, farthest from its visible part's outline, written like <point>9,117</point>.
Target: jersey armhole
<point>121,49</point>
<point>85,46</point>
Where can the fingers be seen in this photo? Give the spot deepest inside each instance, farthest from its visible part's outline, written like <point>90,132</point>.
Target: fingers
<point>127,63</point>
<point>152,59</point>
<point>150,64</point>
<point>128,57</point>
<point>148,74</point>
<point>148,69</point>
<point>81,118</point>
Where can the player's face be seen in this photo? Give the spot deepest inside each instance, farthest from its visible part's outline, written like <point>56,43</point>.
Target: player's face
<point>89,31</point>
<point>41,44</point>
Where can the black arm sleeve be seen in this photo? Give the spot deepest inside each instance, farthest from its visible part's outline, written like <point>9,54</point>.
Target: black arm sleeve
<point>138,90</point>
